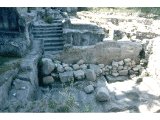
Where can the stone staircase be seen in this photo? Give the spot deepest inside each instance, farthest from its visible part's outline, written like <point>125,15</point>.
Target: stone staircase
<point>51,34</point>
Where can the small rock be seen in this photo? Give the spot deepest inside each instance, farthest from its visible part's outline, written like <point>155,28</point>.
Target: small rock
<point>120,67</point>
<point>89,89</point>
<point>115,74</point>
<point>60,68</point>
<point>48,80</point>
<point>80,62</point>
<point>128,64</point>
<point>135,69</point>
<point>127,60</point>
<point>123,72</point>
<point>76,67</point>
<point>65,65</point>
<point>102,94</point>
<point>66,76</point>
<point>68,69</point>
<point>133,63</point>
<point>110,67</point>
<point>83,67</point>
<point>121,63</point>
<point>90,75</point>
<point>101,66</point>
<point>132,76</point>
<point>130,72</point>
<point>125,68</point>
<point>79,74</point>
<point>115,64</point>
<point>139,80</point>
<point>144,73</point>
<point>55,75</point>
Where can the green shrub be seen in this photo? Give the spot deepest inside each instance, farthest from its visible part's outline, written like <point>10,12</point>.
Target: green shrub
<point>48,19</point>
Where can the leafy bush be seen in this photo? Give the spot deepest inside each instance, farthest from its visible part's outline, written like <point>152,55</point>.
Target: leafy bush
<point>48,19</point>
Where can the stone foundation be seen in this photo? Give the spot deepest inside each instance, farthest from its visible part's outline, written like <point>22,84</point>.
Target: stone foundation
<point>102,53</point>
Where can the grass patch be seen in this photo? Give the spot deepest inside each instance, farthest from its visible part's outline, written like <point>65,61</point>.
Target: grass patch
<point>8,63</point>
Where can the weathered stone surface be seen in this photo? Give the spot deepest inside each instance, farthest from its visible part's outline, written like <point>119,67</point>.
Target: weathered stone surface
<point>123,72</point>
<point>47,66</point>
<point>83,67</point>
<point>81,33</point>
<point>23,91</point>
<point>101,66</point>
<point>80,62</point>
<point>89,89</point>
<point>60,68</point>
<point>102,53</point>
<point>66,76</point>
<point>115,64</point>
<point>96,68</point>
<point>115,74</point>
<point>76,67</point>
<point>79,74</point>
<point>111,79</point>
<point>5,85</point>
<point>68,68</point>
<point>127,60</point>
<point>121,63</point>
<point>102,94</point>
<point>48,80</point>
<point>120,67</point>
<point>90,75</point>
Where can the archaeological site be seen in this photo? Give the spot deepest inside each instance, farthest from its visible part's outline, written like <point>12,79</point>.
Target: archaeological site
<point>79,59</point>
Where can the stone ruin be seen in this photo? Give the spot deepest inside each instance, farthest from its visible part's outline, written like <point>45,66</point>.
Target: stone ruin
<point>69,59</point>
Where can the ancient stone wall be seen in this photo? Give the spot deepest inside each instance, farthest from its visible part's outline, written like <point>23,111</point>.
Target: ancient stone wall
<point>82,33</point>
<point>14,36</point>
<point>103,52</point>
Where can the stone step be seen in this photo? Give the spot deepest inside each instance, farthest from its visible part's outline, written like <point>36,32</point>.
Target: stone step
<point>53,48</point>
<point>47,32</point>
<point>48,25</point>
<point>48,35</point>
<point>53,44</point>
<point>47,28</point>
<point>52,52</point>
<point>53,41</point>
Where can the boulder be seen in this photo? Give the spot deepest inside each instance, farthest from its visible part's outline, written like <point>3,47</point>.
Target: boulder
<point>47,66</point>
<point>48,80</point>
<point>66,76</point>
<point>79,74</point>
<point>102,94</point>
<point>76,67</point>
<point>114,64</point>
<point>112,79</point>
<point>90,75</point>
<point>123,72</point>
<point>60,68</point>
<point>89,89</point>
